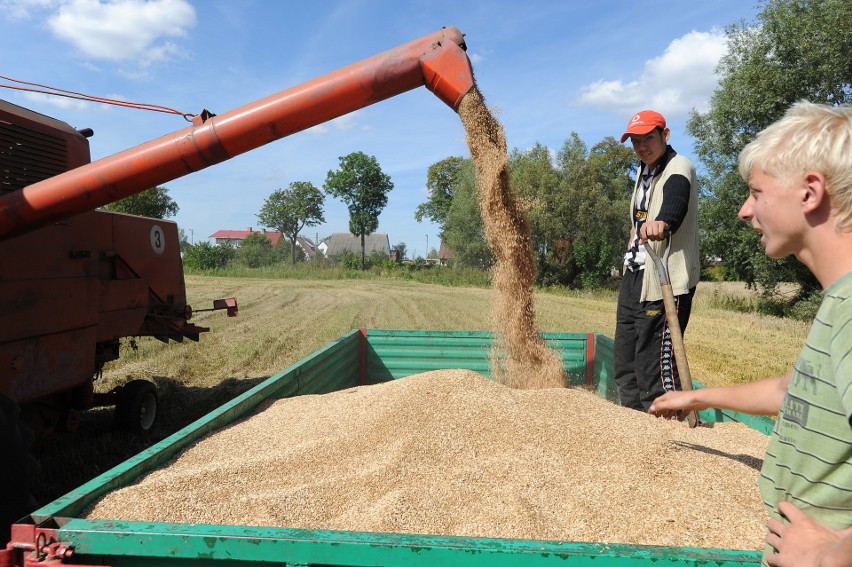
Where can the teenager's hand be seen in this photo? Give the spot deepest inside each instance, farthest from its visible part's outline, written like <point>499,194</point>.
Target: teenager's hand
<point>676,404</point>
<point>653,230</point>
<point>805,542</point>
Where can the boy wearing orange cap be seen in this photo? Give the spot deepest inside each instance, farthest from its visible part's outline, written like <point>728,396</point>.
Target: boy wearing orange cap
<point>664,207</point>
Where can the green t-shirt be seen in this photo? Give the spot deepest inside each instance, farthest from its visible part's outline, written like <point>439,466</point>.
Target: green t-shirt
<point>809,458</point>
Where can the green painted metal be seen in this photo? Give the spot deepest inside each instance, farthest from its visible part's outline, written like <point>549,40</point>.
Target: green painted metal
<point>367,356</point>
<point>396,354</point>
<point>604,370</point>
<point>131,544</point>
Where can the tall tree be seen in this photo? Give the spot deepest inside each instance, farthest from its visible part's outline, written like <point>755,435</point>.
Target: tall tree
<point>463,230</point>
<point>364,187</point>
<point>441,180</point>
<point>290,210</point>
<point>593,208</point>
<point>535,180</point>
<point>154,202</point>
<point>576,203</point>
<point>798,49</point>
<point>602,195</point>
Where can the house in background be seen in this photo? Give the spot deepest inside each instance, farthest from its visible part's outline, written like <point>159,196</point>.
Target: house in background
<point>235,238</point>
<point>340,242</point>
<point>307,246</point>
<point>445,255</point>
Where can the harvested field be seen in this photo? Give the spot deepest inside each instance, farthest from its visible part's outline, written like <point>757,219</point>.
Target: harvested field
<point>453,453</point>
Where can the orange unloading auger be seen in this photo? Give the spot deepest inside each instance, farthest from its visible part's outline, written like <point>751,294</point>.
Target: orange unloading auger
<point>437,61</point>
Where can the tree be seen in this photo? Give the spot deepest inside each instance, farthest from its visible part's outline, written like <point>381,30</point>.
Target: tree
<point>536,182</point>
<point>577,207</point>
<point>290,210</point>
<point>799,50</point>
<point>463,230</point>
<point>154,202</point>
<point>182,239</point>
<point>576,204</point>
<point>401,249</point>
<point>362,185</point>
<point>602,194</point>
<point>441,181</point>
<point>255,251</point>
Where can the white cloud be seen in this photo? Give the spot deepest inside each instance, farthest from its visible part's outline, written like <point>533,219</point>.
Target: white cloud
<point>680,79</point>
<point>123,30</point>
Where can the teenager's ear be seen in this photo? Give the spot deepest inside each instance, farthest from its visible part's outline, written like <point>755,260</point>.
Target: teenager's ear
<point>815,194</point>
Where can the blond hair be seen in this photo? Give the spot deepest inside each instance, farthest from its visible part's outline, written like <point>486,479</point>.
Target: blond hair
<point>809,137</point>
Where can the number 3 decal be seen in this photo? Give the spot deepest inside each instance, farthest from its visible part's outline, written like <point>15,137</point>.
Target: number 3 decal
<point>158,240</point>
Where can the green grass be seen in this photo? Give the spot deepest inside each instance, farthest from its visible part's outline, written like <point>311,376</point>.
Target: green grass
<point>440,275</point>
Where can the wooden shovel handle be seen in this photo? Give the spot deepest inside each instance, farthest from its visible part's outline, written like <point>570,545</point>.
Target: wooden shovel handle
<point>677,346</point>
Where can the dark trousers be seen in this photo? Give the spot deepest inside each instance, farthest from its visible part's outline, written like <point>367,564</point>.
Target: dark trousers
<point>644,358</point>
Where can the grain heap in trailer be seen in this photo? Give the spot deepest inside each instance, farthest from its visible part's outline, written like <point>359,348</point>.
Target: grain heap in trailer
<point>60,532</point>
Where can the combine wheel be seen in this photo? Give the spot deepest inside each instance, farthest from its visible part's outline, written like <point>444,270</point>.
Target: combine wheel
<point>136,409</point>
<point>18,470</point>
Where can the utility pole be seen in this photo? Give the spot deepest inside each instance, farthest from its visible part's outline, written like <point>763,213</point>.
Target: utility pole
<point>427,246</point>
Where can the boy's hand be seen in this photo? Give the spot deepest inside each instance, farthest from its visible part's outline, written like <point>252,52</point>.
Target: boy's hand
<point>804,542</point>
<point>675,404</point>
<point>653,230</point>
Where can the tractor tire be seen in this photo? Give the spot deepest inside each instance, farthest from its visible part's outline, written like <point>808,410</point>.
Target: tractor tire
<point>136,410</point>
<point>18,471</point>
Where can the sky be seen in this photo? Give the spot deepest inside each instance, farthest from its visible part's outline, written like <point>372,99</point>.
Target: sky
<point>546,68</point>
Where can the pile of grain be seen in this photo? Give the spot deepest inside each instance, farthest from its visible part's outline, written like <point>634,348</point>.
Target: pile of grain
<point>520,359</point>
<point>453,453</point>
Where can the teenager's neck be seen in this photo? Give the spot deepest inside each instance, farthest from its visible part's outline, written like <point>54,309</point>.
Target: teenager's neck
<point>830,258</point>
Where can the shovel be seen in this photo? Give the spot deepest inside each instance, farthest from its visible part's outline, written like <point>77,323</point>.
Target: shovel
<point>671,318</point>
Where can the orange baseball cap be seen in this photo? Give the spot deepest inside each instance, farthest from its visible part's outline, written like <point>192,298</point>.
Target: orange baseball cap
<point>644,122</point>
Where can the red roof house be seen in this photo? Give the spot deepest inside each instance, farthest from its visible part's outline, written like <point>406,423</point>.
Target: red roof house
<point>235,237</point>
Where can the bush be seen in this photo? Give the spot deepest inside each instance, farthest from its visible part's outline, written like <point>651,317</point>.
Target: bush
<point>806,309</point>
<point>718,273</point>
<point>256,251</point>
<point>205,256</point>
<point>594,260</point>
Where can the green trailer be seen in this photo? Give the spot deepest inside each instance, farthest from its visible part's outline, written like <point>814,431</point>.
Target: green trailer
<point>56,533</point>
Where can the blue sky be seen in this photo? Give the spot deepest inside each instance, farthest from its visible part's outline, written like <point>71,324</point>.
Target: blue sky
<point>547,68</point>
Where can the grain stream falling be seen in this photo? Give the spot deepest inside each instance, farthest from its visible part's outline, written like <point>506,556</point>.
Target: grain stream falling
<point>453,453</point>
<point>520,358</point>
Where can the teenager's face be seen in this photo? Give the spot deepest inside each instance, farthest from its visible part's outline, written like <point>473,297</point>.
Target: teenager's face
<point>774,212</point>
<point>650,147</point>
